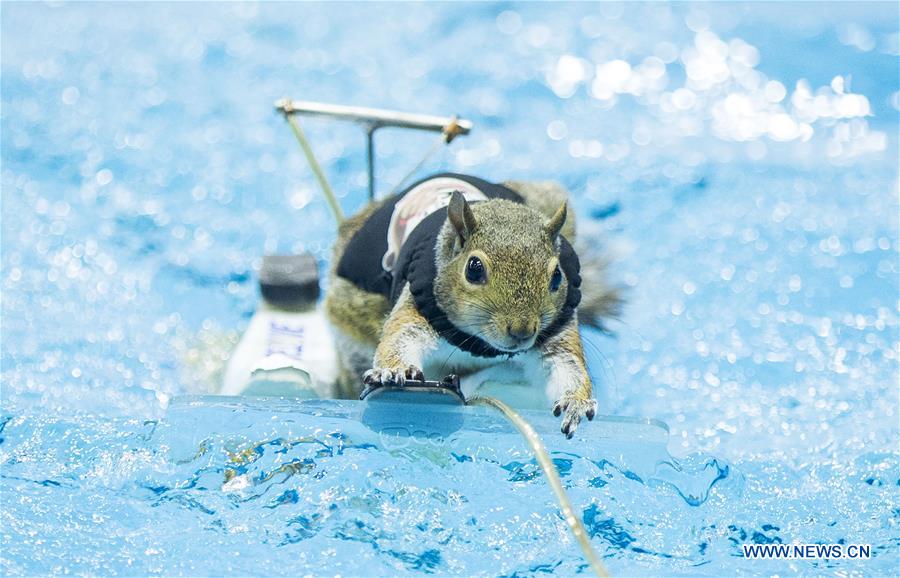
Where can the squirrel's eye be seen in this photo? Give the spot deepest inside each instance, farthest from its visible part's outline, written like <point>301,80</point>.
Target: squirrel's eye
<point>556,280</point>
<point>475,272</point>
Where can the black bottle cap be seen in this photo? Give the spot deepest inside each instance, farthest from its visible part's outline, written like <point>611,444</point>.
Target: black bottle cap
<point>289,281</point>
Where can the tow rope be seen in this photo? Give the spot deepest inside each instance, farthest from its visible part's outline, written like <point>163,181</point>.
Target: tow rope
<point>543,458</point>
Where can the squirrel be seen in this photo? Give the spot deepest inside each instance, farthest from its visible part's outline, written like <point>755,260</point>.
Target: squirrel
<point>458,267</point>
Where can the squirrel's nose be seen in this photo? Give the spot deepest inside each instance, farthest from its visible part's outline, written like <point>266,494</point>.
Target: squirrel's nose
<point>522,332</point>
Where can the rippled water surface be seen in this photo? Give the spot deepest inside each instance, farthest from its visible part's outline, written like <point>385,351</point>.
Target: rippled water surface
<point>738,161</point>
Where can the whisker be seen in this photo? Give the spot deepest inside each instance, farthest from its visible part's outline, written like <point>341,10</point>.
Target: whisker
<point>477,334</point>
<point>606,367</point>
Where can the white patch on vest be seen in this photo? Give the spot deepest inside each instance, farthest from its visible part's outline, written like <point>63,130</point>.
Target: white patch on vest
<point>421,201</point>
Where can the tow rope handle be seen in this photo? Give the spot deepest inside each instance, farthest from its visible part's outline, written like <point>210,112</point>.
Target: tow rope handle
<point>371,119</point>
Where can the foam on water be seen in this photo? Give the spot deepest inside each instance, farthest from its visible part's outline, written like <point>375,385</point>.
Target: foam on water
<point>306,483</point>
<point>739,161</point>
<point>268,485</point>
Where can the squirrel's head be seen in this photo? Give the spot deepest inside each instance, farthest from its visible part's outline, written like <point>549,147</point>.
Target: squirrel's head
<point>498,271</point>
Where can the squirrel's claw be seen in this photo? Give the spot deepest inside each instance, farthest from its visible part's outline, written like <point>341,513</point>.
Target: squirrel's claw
<point>385,376</point>
<point>572,410</point>
<point>413,373</point>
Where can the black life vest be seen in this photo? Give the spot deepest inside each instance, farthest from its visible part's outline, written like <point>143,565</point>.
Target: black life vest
<point>361,264</point>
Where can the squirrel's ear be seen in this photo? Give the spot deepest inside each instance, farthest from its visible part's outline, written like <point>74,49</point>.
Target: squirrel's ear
<point>460,214</point>
<point>556,222</point>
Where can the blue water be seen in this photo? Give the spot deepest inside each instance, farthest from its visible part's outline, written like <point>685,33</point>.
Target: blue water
<point>739,161</point>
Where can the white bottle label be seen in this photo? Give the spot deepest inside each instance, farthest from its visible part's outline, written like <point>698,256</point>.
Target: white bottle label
<point>285,339</point>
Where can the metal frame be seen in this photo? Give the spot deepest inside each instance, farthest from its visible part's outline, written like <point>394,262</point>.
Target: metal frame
<point>372,119</point>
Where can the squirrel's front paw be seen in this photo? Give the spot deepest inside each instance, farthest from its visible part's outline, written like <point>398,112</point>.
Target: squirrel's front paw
<point>386,376</point>
<point>573,408</point>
